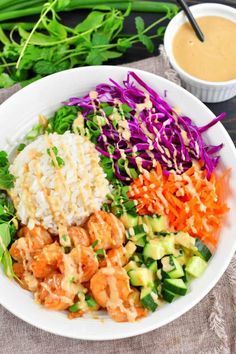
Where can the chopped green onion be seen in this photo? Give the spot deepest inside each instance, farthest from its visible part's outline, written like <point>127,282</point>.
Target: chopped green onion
<point>60,161</point>
<point>21,147</point>
<point>54,149</point>
<point>101,253</point>
<point>94,244</point>
<point>108,110</point>
<point>90,301</point>
<point>99,120</point>
<point>125,108</point>
<point>74,307</point>
<point>35,132</point>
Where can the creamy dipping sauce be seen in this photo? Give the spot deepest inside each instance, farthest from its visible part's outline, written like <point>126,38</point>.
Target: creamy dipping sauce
<point>211,60</point>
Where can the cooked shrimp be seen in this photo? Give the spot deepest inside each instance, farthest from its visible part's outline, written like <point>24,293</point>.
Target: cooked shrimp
<point>130,310</point>
<point>81,261</point>
<point>78,236</point>
<point>52,295</point>
<point>45,261</point>
<point>29,242</point>
<point>19,271</point>
<point>110,285</point>
<point>126,313</point>
<point>26,279</point>
<point>72,315</point>
<point>115,257</point>
<point>106,229</point>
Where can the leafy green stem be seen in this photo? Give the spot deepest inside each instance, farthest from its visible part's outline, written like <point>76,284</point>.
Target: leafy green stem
<point>44,13</point>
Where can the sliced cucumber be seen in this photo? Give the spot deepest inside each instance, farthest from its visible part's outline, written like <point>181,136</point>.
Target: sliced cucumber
<point>130,248</point>
<point>171,267</point>
<point>130,266</point>
<point>168,264</point>
<point>141,277</point>
<point>129,220</point>
<point>157,223</point>
<point>154,249</point>
<point>137,257</point>
<point>168,295</point>
<point>153,266</point>
<point>186,277</point>
<point>136,232</point>
<point>202,250</point>
<point>148,299</point>
<point>168,244</point>
<point>177,286</point>
<point>182,255</point>
<point>185,240</point>
<point>141,242</point>
<point>196,266</point>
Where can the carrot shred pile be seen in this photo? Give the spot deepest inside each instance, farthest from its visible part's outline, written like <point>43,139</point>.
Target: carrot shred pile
<point>191,202</point>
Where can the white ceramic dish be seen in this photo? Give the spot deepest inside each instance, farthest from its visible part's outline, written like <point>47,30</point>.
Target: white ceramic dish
<point>19,113</point>
<point>206,91</point>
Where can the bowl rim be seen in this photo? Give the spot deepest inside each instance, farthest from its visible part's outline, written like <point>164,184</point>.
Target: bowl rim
<point>172,25</point>
<point>193,301</point>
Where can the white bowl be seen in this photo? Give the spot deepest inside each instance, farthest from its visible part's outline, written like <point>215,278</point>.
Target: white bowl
<point>206,91</point>
<point>19,113</point>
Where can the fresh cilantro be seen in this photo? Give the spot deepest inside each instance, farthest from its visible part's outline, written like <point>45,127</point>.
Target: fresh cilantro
<point>48,46</point>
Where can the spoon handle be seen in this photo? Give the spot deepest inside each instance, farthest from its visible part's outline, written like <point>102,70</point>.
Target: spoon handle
<point>191,19</point>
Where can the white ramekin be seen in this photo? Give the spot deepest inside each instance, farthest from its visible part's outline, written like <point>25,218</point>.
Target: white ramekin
<point>206,91</point>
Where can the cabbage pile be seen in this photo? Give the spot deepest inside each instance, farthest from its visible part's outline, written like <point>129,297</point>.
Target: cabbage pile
<point>156,131</point>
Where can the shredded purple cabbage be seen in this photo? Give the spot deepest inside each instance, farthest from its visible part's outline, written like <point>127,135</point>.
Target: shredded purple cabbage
<point>156,132</point>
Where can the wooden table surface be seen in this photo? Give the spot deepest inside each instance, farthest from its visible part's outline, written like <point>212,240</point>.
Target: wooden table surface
<point>139,52</point>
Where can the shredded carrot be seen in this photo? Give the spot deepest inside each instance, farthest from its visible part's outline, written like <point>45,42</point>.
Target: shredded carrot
<point>191,202</point>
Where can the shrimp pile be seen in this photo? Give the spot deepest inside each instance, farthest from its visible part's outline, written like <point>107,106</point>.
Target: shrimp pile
<point>64,278</point>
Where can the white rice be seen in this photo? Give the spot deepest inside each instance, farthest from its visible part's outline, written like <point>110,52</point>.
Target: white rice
<point>47,195</point>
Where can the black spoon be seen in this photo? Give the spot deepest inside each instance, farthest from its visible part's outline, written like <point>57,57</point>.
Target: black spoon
<point>191,19</point>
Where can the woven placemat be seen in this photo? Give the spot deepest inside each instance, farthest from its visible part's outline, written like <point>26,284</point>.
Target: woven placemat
<point>209,328</point>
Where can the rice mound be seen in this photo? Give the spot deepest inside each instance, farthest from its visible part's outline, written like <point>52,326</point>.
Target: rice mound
<point>47,195</point>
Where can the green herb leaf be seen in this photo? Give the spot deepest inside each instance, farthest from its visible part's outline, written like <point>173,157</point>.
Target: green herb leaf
<point>161,31</point>
<point>147,42</point>
<point>45,67</point>
<point>5,238</point>
<point>57,29</point>
<point>110,54</point>
<point>6,179</point>
<point>6,81</point>
<point>139,23</point>
<point>100,38</point>
<point>7,265</point>
<point>93,20</point>
<point>62,4</point>
<point>3,159</point>
<point>94,57</point>
<point>3,37</point>
<point>123,44</point>
<point>37,38</point>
